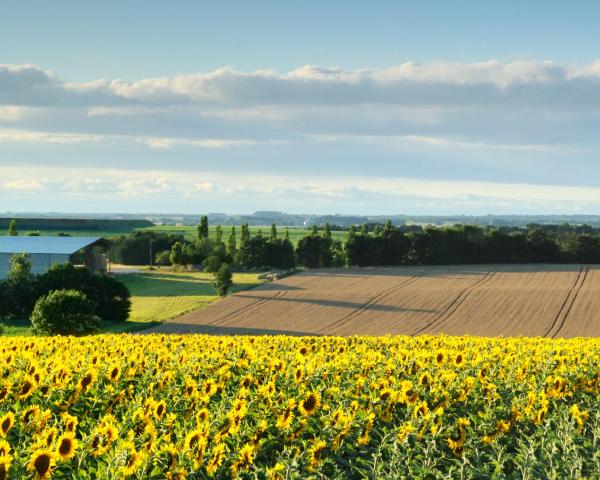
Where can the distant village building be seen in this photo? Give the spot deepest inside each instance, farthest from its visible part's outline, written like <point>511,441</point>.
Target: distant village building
<point>46,251</point>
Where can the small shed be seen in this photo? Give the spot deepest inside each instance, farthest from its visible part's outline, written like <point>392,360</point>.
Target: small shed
<point>46,251</point>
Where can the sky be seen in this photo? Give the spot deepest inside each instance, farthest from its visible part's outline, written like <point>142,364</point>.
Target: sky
<point>414,107</point>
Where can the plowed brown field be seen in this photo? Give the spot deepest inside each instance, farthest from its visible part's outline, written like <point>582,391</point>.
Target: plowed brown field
<point>490,300</point>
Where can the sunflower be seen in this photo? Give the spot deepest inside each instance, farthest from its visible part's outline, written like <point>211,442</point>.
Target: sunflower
<point>244,460</point>
<point>48,436</point>
<point>189,389</point>
<point>5,461</point>
<point>69,422</point>
<point>28,386</point>
<point>425,379</point>
<point>102,439</point>
<point>133,459</point>
<point>4,391</point>
<point>114,372</point>
<point>30,414</point>
<point>86,381</point>
<point>203,415</point>
<point>456,445</point>
<point>218,455</point>
<point>246,381</point>
<point>67,444</point>
<point>459,360</point>
<point>439,359</point>
<point>315,453</point>
<point>6,423</point>
<point>421,410</point>
<point>193,439</point>
<point>41,463</point>
<point>298,374</point>
<point>167,455</point>
<point>160,409</point>
<point>310,404</point>
<point>404,431</point>
<point>276,472</point>
<point>284,420</point>
<point>4,448</point>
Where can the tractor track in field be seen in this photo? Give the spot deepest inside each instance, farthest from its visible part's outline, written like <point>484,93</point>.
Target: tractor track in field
<point>373,301</point>
<point>455,304</point>
<point>561,317</point>
<point>247,308</point>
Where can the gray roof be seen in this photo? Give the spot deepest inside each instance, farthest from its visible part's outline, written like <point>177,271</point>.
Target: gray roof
<point>47,244</point>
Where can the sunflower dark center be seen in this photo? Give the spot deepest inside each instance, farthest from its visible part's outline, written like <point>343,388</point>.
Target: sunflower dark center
<point>42,464</point>
<point>65,446</point>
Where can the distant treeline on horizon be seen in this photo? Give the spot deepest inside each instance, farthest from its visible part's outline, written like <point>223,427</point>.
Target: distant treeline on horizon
<point>46,221</point>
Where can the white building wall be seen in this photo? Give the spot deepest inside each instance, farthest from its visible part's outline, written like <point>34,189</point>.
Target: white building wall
<point>41,262</point>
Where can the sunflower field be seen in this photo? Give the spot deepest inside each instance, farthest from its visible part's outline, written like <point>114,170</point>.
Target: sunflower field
<point>275,407</point>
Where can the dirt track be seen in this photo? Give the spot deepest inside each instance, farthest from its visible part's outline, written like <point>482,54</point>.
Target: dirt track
<point>491,300</point>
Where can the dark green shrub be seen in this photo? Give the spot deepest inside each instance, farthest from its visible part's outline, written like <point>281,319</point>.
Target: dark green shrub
<point>65,312</point>
<point>223,280</point>
<point>163,258</point>
<point>110,297</point>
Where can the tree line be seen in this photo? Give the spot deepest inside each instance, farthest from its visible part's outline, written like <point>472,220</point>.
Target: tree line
<point>367,245</point>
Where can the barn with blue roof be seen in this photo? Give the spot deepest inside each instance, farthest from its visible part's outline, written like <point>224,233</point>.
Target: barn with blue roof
<point>46,251</point>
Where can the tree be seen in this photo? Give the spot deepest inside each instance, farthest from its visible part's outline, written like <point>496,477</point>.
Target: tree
<point>12,228</point>
<point>133,249</point>
<point>20,267</point>
<point>219,233</point>
<point>232,243</point>
<point>314,251</point>
<point>203,227</point>
<point>212,263</point>
<point>360,250</point>
<point>19,289</point>
<point>255,252</point>
<point>364,230</point>
<point>388,226</point>
<point>327,231</point>
<point>223,280</point>
<point>351,232</point>
<point>64,312</point>
<point>280,253</point>
<point>273,235</point>
<point>242,250</point>
<point>177,256</point>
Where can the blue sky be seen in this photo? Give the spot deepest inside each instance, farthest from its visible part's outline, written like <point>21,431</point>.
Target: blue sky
<point>321,107</point>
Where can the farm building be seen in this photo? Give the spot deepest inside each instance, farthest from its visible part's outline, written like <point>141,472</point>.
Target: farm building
<point>46,251</point>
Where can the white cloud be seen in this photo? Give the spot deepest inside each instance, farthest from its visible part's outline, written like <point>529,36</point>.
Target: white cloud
<point>23,136</point>
<point>23,185</point>
<point>303,189</point>
<point>490,124</point>
<point>12,113</point>
<point>408,83</point>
